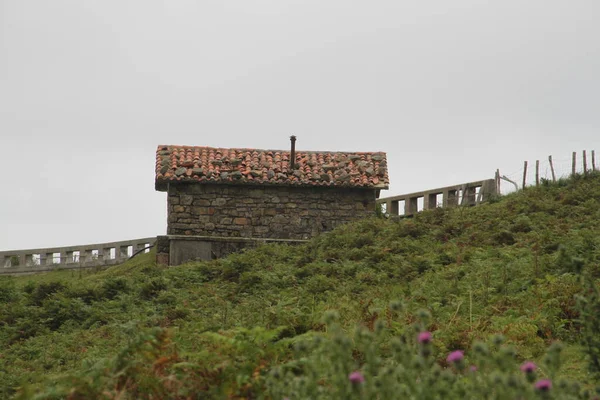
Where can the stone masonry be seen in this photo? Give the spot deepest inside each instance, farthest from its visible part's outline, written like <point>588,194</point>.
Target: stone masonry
<point>224,200</point>
<point>283,212</point>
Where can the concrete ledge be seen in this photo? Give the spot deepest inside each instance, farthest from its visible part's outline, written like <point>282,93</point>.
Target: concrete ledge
<point>41,269</point>
<point>235,239</point>
<point>178,249</point>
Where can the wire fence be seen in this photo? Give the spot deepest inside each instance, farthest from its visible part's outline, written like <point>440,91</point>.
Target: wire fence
<point>532,173</point>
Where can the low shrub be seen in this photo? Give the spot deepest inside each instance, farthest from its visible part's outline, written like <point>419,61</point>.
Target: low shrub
<point>364,366</point>
<point>112,287</point>
<point>153,287</point>
<point>44,290</point>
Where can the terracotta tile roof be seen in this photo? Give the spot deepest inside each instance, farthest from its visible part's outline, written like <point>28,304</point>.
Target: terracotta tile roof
<point>265,167</point>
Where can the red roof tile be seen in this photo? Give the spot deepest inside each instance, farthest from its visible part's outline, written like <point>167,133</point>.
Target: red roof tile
<point>269,167</point>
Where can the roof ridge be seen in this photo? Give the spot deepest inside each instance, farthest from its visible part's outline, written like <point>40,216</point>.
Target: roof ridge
<point>164,147</point>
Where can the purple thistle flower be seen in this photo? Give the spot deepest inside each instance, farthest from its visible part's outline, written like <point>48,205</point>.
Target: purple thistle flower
<point>356,377</point>
<point>424,337</point>
<point>473,368</point>
<point>528,367</point>
<point>543,385</point>
<point>456,356</point>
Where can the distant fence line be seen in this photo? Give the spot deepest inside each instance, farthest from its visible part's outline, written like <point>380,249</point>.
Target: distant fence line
<point>71,257</point>
<point>551,169</point>
<point>470,193</point>
<point>473,193</point>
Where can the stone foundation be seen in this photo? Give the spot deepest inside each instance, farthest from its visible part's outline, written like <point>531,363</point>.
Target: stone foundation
<point>175,249</point>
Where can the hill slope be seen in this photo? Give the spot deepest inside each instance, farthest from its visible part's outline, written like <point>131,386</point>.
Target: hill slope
<point>503,267</point>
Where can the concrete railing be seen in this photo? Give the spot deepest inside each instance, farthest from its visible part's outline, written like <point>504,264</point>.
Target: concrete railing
<point>464,194</point>
<point>71,257</point>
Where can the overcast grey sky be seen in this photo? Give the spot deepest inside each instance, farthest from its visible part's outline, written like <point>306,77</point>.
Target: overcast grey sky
<point>451,90</point>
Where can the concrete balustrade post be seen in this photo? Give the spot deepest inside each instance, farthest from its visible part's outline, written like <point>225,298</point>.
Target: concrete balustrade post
<point>89,256</point>
<point>123,255</point>
<point>394,209</point>
<point>85,256</point>
<point>489,190</point>
<point>411,206</point>
<point>106,254</point>
<point>470,193</point>
<point>94,256</point>
<point>451,198</point>
<point>49,258</point>
<point>2,261</point>
<point>69,258</point>
<point>428,200</point>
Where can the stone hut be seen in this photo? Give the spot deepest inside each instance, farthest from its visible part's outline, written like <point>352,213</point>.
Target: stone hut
<point>220,200</point>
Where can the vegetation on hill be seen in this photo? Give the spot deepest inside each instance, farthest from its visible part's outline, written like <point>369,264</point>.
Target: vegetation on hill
<point>343,316</point>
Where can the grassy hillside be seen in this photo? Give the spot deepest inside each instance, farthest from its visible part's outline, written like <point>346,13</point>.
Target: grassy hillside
<point>509,267</point>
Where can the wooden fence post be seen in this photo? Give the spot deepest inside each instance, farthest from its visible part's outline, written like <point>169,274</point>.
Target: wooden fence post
<point>584,163</point>
<point>552,168</point>
<point>593,160</point>
<point>537,172</point>
<point>524,173</point>
<point>573,163</point>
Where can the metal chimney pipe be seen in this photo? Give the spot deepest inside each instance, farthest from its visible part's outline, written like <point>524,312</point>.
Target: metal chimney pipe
<point>293,153</point>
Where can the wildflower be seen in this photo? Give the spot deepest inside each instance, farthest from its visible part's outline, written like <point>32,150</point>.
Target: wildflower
<point>473,368</point>
<point>356,377</point>
<point>528,367</point>
<point>455,357</point>
<point>543,385</point>
<point>424,337</point>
